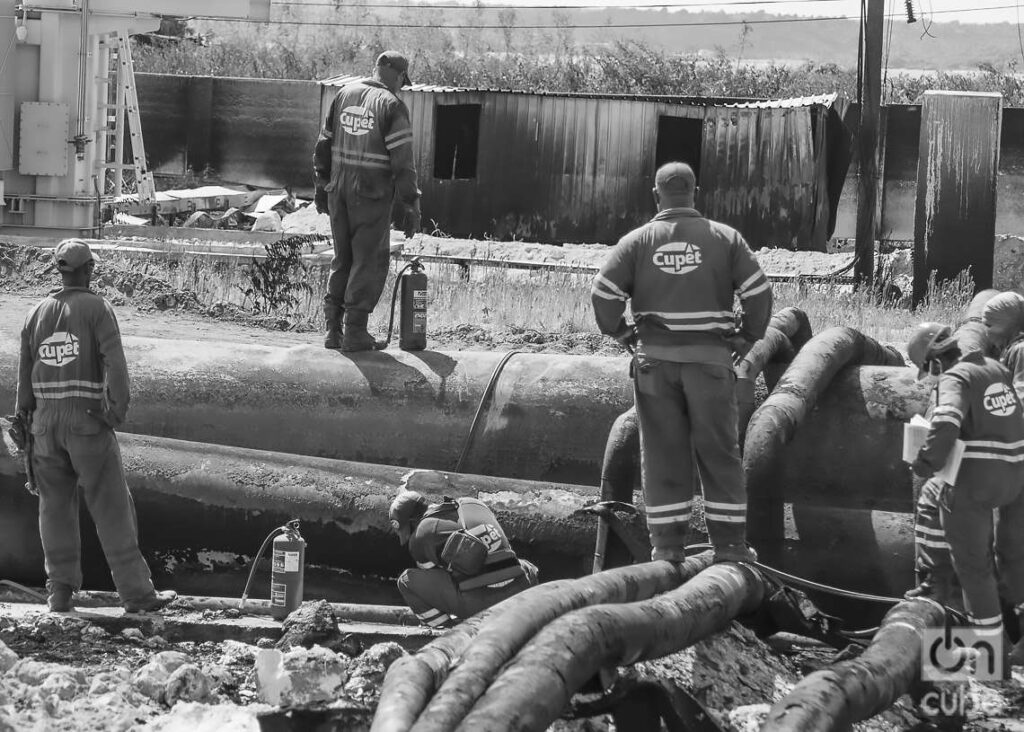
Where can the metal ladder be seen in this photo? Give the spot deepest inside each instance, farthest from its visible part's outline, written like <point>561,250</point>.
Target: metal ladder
<point>118,100</point>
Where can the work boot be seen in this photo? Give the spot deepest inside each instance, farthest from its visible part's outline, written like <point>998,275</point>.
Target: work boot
<point>668,554</point>
<point>59,597</point>
<point>924,589</point>
<point>734,553</point>
<point>154,602</point>
<point>356,337</point>
<point>332,313</point>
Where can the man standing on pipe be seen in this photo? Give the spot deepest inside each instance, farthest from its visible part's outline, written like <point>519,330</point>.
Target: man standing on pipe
<point>73,391</point>
<point>681,272</point>
<point>464,562</point>
<point>361,161</point>
<point>975,402</point>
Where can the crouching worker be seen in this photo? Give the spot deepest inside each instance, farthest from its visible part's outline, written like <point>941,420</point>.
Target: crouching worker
<point>975,403</point>
<point>464,561</point>
<point>72,394</point>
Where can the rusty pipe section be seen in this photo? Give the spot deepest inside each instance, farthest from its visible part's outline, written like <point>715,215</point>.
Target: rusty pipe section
<point>835,698</point>
<point>211,498</point>
<point>548,418</point>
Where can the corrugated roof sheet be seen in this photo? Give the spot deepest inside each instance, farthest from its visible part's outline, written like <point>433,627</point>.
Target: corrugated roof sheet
<point>737,102</point>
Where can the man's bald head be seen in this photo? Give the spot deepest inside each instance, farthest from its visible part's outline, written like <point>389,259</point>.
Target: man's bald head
<point>675,185</point>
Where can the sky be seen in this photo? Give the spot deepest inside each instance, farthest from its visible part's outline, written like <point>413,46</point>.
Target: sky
<point>964,11</point>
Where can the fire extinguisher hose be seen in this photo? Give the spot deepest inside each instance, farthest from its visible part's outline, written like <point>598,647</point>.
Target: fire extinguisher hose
<point>256,561</point>
<point>394,297</point>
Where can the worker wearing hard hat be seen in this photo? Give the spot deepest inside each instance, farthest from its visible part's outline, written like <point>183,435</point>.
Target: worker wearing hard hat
<point>464,562</point>
<point>681,273</point>
<point>363,159</point>
<point>72,394</point>
<point>1004,318</point>
<point>975,403</point>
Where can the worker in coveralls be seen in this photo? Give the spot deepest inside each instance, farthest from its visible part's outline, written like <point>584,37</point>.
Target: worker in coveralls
<point>362,159</point>
<point>72,393</point>
<point>975,402</point>
<point>681,272</point>
<point>464,562</point>
<point>1000,336</point>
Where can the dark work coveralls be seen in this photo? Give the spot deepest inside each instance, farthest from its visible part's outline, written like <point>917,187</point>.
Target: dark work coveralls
<point>976,403</point>
<point>363,157</point>
<point>437,595</point>
<point>72,361</point>
<point>681,273</point>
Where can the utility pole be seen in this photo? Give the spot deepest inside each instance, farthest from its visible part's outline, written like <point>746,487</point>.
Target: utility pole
<point>867,137</point>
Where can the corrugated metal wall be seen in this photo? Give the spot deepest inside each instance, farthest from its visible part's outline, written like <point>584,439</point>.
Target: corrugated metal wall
<point>549,168</point>
<point>759,174</point>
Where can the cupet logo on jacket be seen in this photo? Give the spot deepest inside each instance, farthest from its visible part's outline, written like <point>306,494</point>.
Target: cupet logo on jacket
<point>999,400</point>
<point>60,349</point>
<point>356,120</point>
<point>677,257</point>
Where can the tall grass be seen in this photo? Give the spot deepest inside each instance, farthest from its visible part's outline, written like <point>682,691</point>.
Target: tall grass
<point>496,299</point>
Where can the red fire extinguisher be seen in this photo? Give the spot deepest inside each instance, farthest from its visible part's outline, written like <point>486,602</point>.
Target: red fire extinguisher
<point>412,316</point>
<point>288,561</point>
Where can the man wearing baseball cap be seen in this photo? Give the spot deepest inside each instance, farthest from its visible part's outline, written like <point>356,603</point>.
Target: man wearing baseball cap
<point>362,163</point>
<point>72,393</point>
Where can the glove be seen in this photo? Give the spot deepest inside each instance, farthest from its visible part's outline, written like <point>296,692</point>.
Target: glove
<point>739,346</point>
<point>19,429</point>
<point>627,337</point>
<point>412,219</point>
<point>320,200</point>
<point>106,417</point>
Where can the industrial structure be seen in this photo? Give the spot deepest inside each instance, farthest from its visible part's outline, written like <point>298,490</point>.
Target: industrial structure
<point>69,110</point>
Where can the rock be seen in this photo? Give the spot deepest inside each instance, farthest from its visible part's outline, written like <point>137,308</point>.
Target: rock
<point>7,658</point>
<point>187,683</point>
<point>62,685</point>
<point>192,717</point>
<point>235,653</point>
<point>313,623</point>
<point>268,221</point>
<point>94,633</point>
<point>133,634</point>
<point>199,220</point>
<point>366,672</point>
<point>151,679</point>
<point>34,673</point>
<point>108,681</point>
<point>748,718</point>
<point>156,641</point>
<point>300,676</point>
<point>265,643</point>
<point>306,221</point>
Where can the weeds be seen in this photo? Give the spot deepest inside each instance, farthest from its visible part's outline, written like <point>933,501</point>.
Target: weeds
<point>277,282</point>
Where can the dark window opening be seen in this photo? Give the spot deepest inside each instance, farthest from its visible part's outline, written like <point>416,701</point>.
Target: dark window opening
<point>456,138</point>
<point>679,139</point>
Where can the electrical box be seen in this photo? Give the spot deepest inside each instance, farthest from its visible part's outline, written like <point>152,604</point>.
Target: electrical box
<point>43,147</point>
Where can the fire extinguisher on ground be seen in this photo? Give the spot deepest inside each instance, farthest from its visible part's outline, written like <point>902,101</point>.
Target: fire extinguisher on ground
<point>288,560</point>
<point>412,312</point>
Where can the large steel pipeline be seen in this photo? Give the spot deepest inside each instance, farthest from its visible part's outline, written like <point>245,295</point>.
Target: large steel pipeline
<point>548,418</point>
<point>193,498</point>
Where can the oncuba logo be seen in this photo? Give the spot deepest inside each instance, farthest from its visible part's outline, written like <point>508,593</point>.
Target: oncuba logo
<point>59,349</point>
<point>356,120</point>
<point>999,400</point>
<point>677,257</point>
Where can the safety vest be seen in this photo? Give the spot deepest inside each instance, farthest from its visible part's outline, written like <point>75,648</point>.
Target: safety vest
<point>501,564</point>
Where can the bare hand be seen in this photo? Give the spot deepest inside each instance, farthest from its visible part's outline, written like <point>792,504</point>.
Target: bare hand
<point>320,201</point>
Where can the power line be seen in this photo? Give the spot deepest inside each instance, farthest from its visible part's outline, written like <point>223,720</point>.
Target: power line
<point>488,6</point>
<point>581,26</point>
